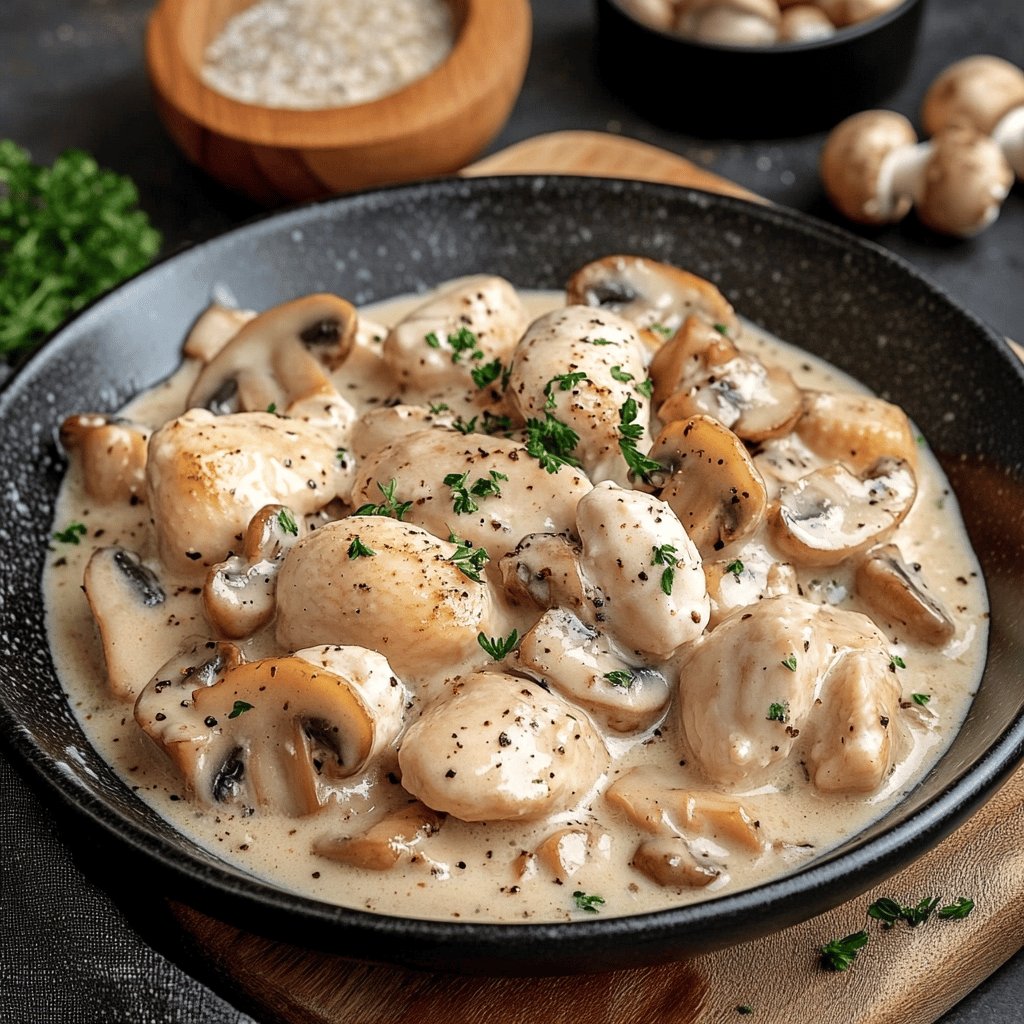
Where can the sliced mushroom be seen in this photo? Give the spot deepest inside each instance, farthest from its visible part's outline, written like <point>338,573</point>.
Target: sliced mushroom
<point>164,709</point>
<point>501,748</point>
<point>274,728</point>
<point>568,850</point>
<point>714,378</point>
<point>128,603</point>
<point>213,329</point>
<point>657,297</point>
<point>854,733</point>
<point>856,430</point>
<point>669,861</point>
<point>585,368</point>
<point>392,838</point>
<point>207,476</point>
<point>238,596</point>
<point>713,485</point>
<point>897,594</point>
<point>545,568</point>
<point>735,583</point>
<point>666,810</point>
<point>581,663</point>
<point>406,598</point>
<point>112,453</point>
<point>434,349</point>
<point>281,361</point>
<point>830,514</point>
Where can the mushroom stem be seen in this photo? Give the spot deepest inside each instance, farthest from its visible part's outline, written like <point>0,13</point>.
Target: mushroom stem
<point>1008,135</point>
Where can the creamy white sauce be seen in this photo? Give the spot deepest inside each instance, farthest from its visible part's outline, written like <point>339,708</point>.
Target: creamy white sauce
<point>485,871</point>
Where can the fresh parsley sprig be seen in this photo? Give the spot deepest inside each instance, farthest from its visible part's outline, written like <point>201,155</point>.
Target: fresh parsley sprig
<point>587,902</point>
<point>468,559</point>
<point>668,556</point>
<point>620,677</point>
<point>551,442</point>
<point>498,646</point>
<point>565,382</point>
<point>390,506</point>
<point>71,534</point>
<point>68,232</point>
<point>357,549</point>
<point>839,954</point>
<point>629,433</point>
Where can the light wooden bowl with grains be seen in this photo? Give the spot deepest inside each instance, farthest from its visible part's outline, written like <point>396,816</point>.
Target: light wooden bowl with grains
<point>431,125</point>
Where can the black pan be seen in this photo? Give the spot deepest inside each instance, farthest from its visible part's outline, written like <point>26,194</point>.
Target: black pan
<point>840,297</point>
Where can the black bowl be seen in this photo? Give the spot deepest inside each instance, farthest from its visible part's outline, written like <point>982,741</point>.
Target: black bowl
<point>718,91</point>
<point>815,285</point>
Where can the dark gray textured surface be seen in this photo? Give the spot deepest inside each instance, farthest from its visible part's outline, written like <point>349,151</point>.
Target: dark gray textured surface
<point>72,74</point>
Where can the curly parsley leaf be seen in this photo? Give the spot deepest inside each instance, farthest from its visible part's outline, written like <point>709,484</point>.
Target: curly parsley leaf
<point>839,954</point>
<point>498,646</point>
<point>68,233</point>
<point>468,560</point>
<point>357,549</point>
<point>390,506</point>
<point>551,442</point>
<point>71,533</point>
<point>629,433</point>
<point>587,902</point>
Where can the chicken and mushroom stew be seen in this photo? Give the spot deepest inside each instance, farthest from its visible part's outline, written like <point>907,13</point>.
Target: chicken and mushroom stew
<point>512,606</point>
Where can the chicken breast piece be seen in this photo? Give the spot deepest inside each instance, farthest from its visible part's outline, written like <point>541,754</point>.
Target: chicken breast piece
<point>386,585</point>
<point>499,748</point>
<point>582,366</point>
<point>207,476</point>
<point>484,489</point>
<point>759,681</point>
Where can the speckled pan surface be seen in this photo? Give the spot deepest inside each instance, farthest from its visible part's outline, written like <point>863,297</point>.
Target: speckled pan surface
<point>842,298</point>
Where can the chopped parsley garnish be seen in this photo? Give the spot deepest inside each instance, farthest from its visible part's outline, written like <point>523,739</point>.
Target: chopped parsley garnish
<point>668,556</point>
<point>390,506</point>
<point>464,340</point>
<point>240,708</point>
<point>71,533</point>
<point>565,382</point>
<point>920,913</point>
<point>487,374</point>
<point>735,567</point>
<point>957,910</point>
<point>468,560</point>
<point>341,454</point>
<point>551,442</point>
<point>897,662</point>
<point>286,521</point>
<point>921,698</point>
<point>438,407</point>
<point>619,374</point>
<point>778,711</point>
<point>465,426</point>
<point>620,677</point>
<point>488,486</point>
<point>498,646</point>
<point>601,341</point>
<point>646,387</point>
<point>629,433</point>
<point>665,332</point>
<point>432,339</point>
<point>722,329</point>
<point>744,1010</point>
<point>496,424</point>
<point>68,232</point>
<point>888,911</point>
<point>587,903</point>
<point>462,503</point>
<point>839,954</point>
<point>790,663</point>
<point>272,408</point>
<point>357,549</point>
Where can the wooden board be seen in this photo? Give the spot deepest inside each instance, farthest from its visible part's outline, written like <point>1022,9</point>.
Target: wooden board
<point>903,976</point>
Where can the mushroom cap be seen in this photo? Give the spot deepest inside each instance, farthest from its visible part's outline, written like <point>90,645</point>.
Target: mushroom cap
<point>112,452</point>
<point>803,22</point>
<point>730,22</point>
<point>501,748</point>
<point>852,12</point>
<point>714,487</point>
<point>966,180</point>
<point>275,358</point>
<point>851,161</point>
<point>830,514</point>
<point>656,297</point>
<point>977,92</point>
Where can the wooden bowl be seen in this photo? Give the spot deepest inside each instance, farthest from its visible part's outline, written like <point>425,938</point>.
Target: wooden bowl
<point>432,126</point>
